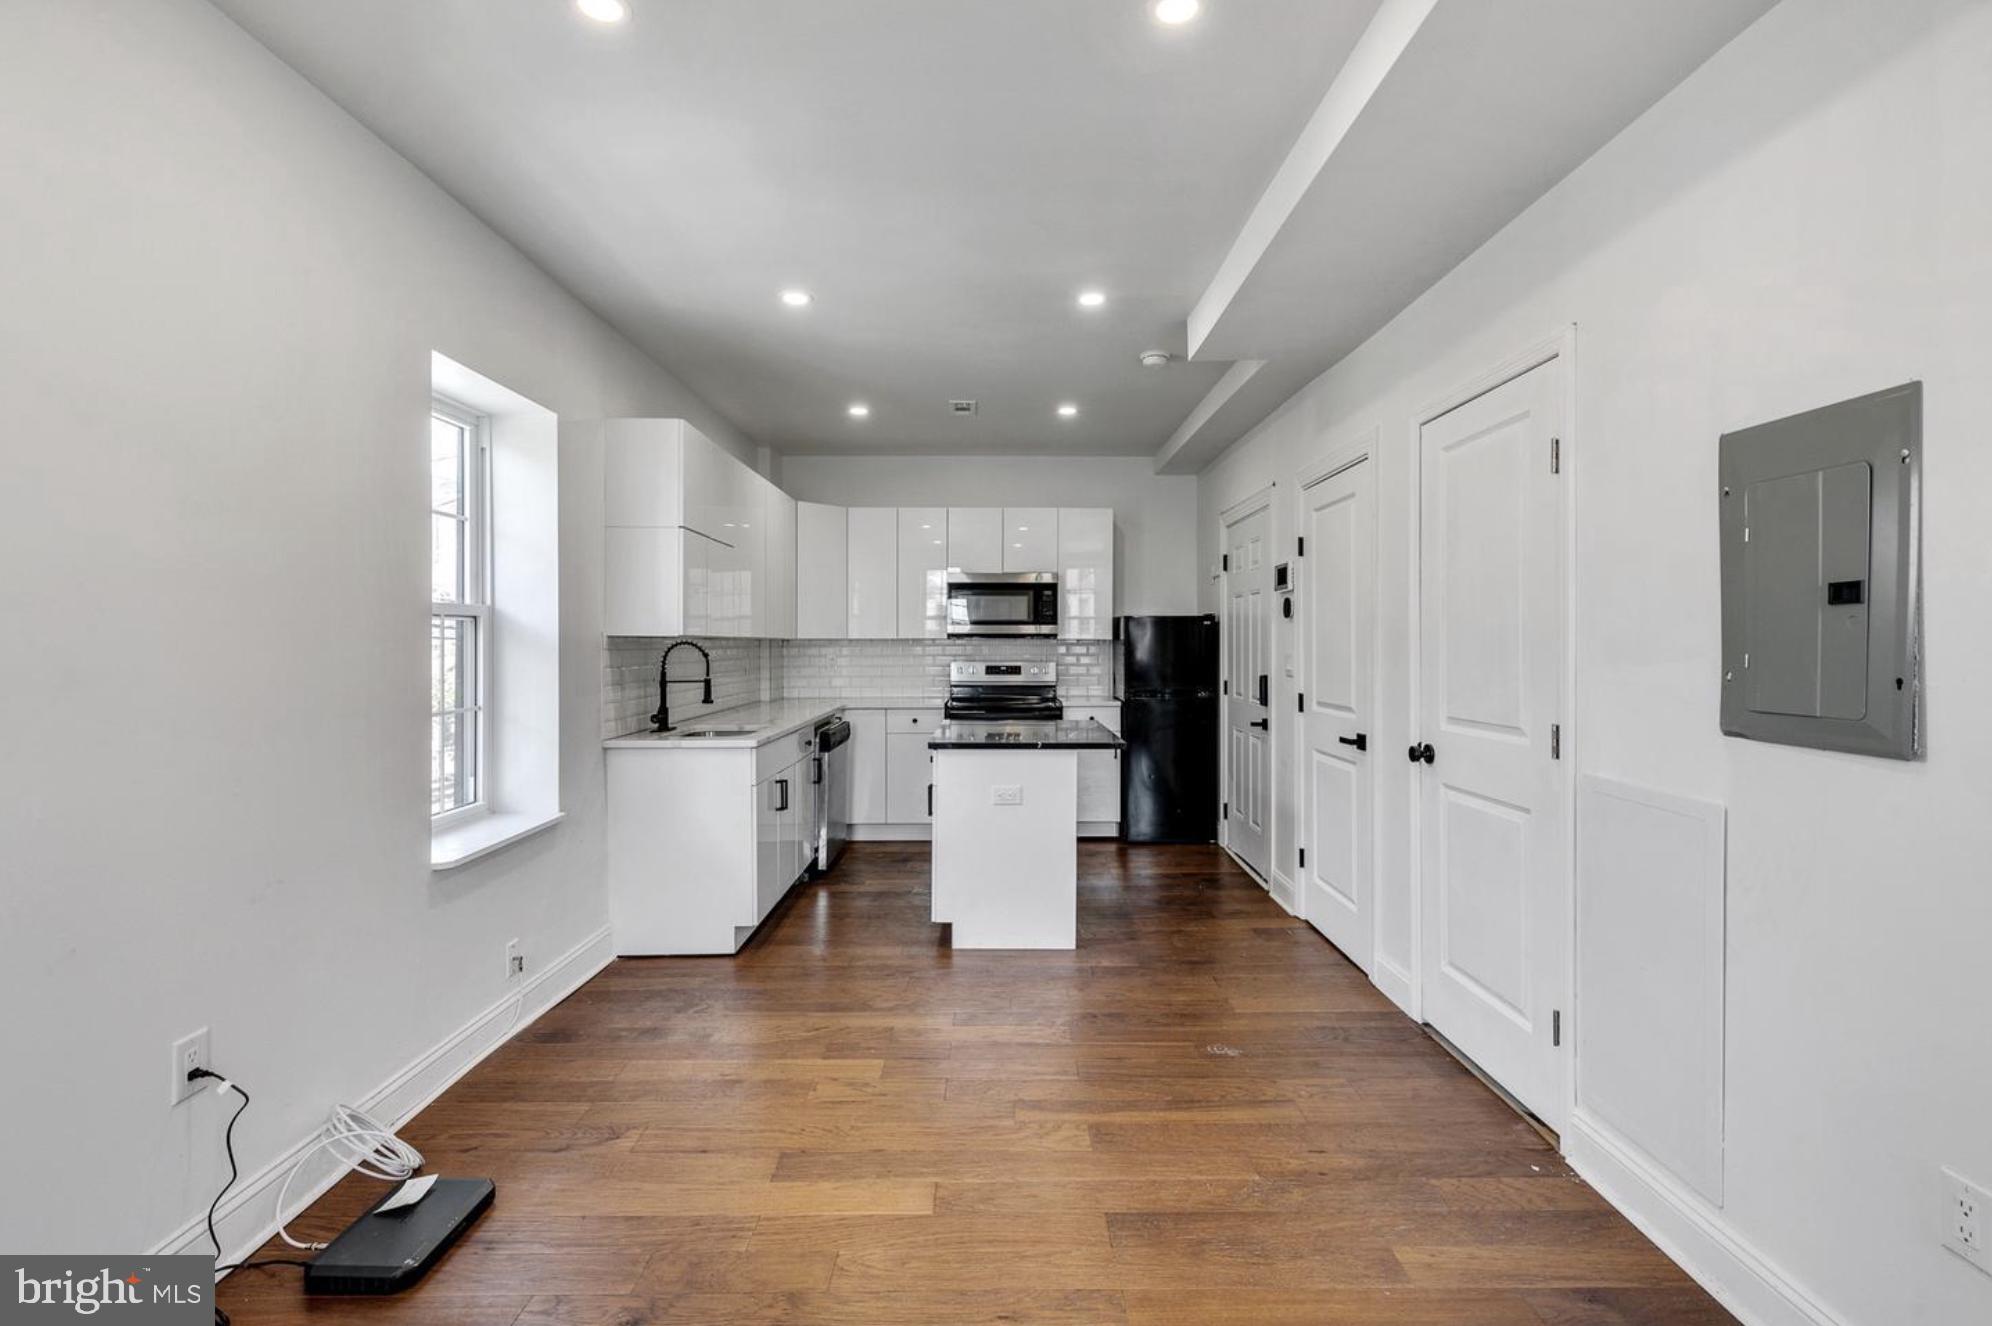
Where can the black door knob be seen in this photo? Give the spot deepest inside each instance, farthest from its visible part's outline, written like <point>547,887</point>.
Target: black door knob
<point>1423,754</point>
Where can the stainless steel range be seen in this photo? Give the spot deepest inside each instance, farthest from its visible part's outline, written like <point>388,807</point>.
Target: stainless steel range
<point>1003,693</point>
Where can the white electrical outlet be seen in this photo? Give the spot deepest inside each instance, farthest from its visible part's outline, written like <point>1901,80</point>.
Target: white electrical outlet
<point>1967,1207</point>
<point>515,961</point>
<point>189,1052</point>
<point>1006,794</point>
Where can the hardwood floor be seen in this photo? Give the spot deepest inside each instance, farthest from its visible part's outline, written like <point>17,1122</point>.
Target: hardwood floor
<point>1203,1116</point>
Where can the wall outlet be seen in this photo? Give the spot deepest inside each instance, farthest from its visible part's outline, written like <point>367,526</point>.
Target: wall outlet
<point>189,1052</point>
<point>1967,1209</point>
<point>515,960</point>
<point>1006,794</point>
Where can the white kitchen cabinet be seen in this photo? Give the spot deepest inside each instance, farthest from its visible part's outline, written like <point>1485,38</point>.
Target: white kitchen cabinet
<point>656,581</point>
<point>1099,771</point>
<point>1030,538</point>
<point>1086,573</point>
<point>822,536</point>
<point>685,538</point>
<point>872,571</point>
<point>703,842</point>
<point>923,572</point>
<point>866,767</point>
<point>975,538</point>
<point>909,765</point>
<point>777,619</point>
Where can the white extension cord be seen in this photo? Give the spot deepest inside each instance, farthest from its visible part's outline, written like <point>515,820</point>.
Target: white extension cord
<point>360,1144</point>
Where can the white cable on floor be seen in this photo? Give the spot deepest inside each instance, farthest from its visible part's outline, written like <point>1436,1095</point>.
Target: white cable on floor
<point>360,1144</point>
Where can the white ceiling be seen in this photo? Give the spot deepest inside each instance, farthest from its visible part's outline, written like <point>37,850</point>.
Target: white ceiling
<point>943,175</point>
<point>1262,188</point>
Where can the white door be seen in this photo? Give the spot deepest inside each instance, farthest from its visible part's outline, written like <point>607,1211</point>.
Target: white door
<point>923,571</point>
<point>872,571</point>
<point>1030,538</point>
<point>1086,573</point>
<point>822,537</point>
<point>1493,861</point>
<point>1248,586</point>
<point>1337,594</point>
<point>975,538</point>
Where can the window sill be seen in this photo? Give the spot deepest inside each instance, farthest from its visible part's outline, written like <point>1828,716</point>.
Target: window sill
<point>460,844</point>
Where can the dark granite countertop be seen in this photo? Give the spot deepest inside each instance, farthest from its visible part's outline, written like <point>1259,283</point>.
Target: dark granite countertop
<point>1068,734</point>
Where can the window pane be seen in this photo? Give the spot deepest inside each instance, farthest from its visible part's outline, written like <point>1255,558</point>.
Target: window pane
<point>446,559</point>
<point>445,465</point>
<point>453,713</point>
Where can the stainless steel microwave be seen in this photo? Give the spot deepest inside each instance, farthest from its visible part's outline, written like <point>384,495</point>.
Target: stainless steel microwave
<point>1009,604</point>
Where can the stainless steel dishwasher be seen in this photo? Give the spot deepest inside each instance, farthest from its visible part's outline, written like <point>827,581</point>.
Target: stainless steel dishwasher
<point>832,771</point>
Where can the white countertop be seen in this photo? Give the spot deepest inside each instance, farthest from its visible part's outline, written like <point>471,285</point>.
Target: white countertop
<point>767,720</point>
<point>770,719</point>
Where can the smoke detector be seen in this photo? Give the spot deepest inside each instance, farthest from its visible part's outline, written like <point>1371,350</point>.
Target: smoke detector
<point>1155,359</point>
<point>961,407</point>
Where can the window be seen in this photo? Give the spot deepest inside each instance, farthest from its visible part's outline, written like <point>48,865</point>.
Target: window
<point>459,622</point>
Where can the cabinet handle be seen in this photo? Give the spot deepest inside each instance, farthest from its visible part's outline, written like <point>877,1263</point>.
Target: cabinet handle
<point>782,786</point>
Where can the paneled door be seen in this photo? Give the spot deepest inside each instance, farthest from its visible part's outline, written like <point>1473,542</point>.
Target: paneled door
<point>1492,806</point>
<point>1337,596</point>
<point>1248,589</point>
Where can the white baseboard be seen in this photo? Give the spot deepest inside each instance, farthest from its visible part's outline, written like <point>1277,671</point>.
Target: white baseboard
<point>1396,984</point>
<point>892,833</point>
<point>1285,893</point>
<point>249,1216</point>
<point>1690,1231</point>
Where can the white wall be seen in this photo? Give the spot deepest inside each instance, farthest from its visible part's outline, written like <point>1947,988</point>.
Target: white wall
<point>218,298</point>
<point>1807,218</point>
<point>1154,556</point>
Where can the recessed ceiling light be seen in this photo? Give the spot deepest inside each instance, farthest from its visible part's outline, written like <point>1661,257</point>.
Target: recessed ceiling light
<point>1175,11</point>
<point>1092,298</point>
<point>859,410</point>
<point>1067,411</point>
<point>795,298</point>
<point>604,11</point>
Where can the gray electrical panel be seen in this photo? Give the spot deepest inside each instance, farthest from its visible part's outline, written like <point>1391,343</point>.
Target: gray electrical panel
<point>1821,590</point>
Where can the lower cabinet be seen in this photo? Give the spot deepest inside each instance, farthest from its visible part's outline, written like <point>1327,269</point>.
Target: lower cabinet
<point>866,767</point>
<point>1099,774</point>
<point>703,842</point>
<point>909,779</point>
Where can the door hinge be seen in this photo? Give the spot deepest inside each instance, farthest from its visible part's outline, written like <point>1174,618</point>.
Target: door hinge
<point>1300,547</point>
<point>1556,741</point>
<point>1301,702</point>
<point>1227,561</point>
<point>1556,1028</point>
<point>1227,685</point>
<point>1227,811</point>
<point>1556,455</point>
<point>1303,858</point>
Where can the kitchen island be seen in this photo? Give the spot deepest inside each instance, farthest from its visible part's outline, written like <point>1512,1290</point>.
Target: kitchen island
<point>1006,813</point>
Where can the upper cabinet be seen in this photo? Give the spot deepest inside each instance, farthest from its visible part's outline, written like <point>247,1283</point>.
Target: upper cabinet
<point>779,620</point>
<point>690,529</point>
<point>822,542</point>
<point>1030,538</point>
<point>872,553</point>
<point>975,538</point>
<point>1086,573</point>
<point>923,572</point>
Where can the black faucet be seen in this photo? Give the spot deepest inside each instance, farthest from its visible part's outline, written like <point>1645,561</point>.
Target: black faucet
<point>662,718</point>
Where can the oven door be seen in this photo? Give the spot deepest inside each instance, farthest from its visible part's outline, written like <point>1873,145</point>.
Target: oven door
<point>1003,605</point>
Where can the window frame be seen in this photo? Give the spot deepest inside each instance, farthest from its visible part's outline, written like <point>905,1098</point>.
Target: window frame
<point>475,605</point>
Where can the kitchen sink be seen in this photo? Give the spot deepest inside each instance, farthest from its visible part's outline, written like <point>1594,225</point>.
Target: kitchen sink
<point>692,733</point>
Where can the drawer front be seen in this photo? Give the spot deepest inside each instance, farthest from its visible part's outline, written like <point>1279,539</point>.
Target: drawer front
<point>777,755</point>
<point>912,720</point>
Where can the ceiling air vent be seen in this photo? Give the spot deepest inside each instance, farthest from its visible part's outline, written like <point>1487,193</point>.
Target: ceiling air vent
<point>961,407</point>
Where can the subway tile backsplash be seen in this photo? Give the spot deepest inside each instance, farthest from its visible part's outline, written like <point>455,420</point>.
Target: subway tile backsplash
<point>745,671</point>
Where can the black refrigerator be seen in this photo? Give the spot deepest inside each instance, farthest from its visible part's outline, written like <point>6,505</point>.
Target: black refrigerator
<point>1167,675</point>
